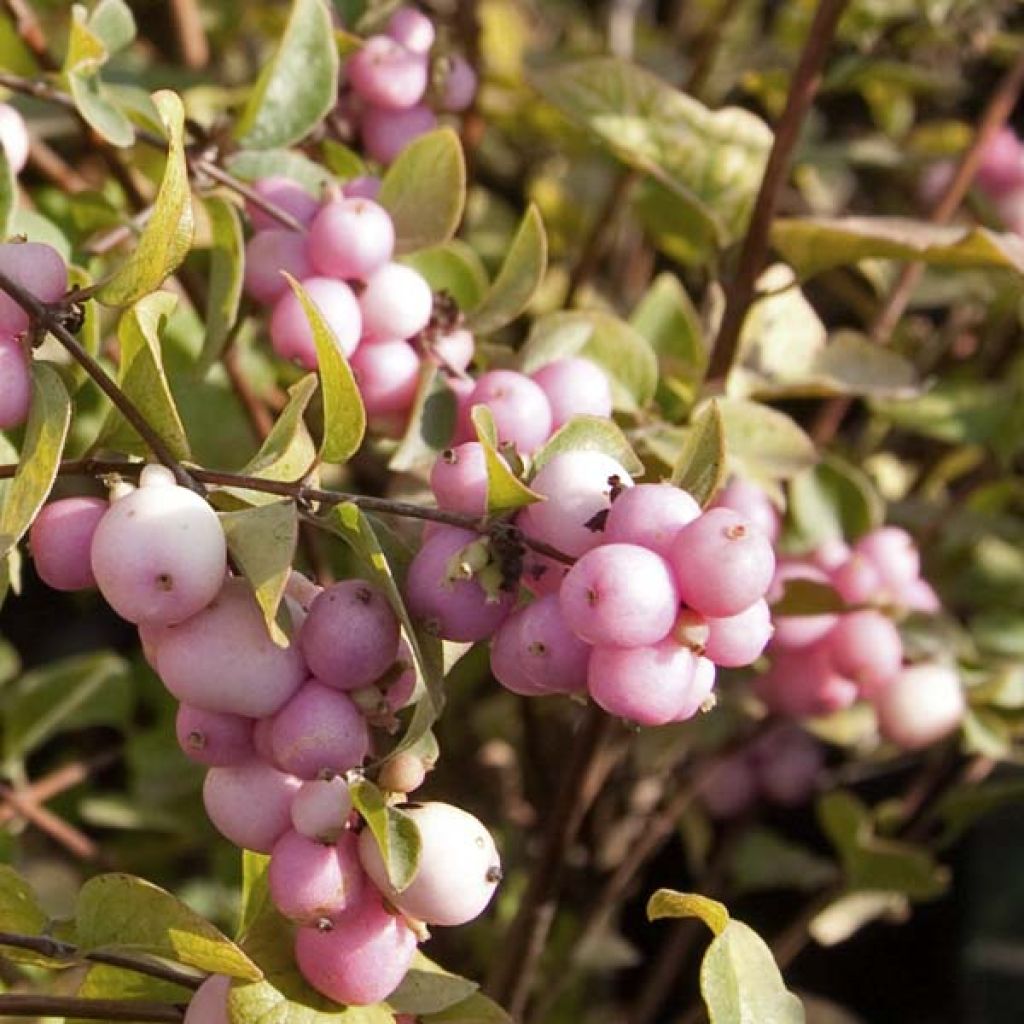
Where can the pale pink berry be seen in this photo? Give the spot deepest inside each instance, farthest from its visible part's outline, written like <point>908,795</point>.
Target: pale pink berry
<point>366,186</point>
<point>919,596</point>
<point>702,686</point>
<point>40,270</point>
<point>287,195</point>
<point>620,595</point>
<point>729,789</point>
<point>1001,169</point>
<point>647,685</point>
<point>15,382</point>
<point>866,647</point>
<point>858,581</point>
<point>894,555</point>
<point>830,554</point>
<point>792,631</point>
<point>752,503</point>
<point>321,809</point>
<point>739,639</point>
<point>522,415</point>
<point>209,1004</point>
<point>385,133</point>
<point>459,479</point>
<point>351,238</point>
<point>460,84</point>
<point>266,256</point>
<point>388,374</point>
<point>290,330</point>
<point>386,74</point>
<point>413,29</point>
<point>552,655</point>
<point>921,706</point>
<point>213,737</point>
<point>61,541</point>
<point>802,683</point>
<point>454,350</point>
<point>650,515</point>
<point>250,803</point>
<point>309,880</point>
<point>574,387</point>
<point>507,665</point>
<point>396,302</point>
<point>14,137</point>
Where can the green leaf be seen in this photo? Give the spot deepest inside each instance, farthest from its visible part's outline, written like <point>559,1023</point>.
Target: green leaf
<point>623,354</point>
<point>142,378</point>
<point>713,161</point>
<point>344,162</point>
<point>477,1009</point>
<point>37,228</point>
<point>454,268</point>
<point>262,542</point>
<point>20,909</point>
<point>253,164</point>
<point>424,190</point>
<point>73,693</point>
<point>288,453</point>
<point>227,269</point>
<point>395,833</point>
<point>105,982</point>
<point>297,88</point>
<point>505,491</point>
<point>431,422</point>
<point>429,988</point>
<point>833,500</point>
<point>121,913</point>
<point>590,434</point>
<point>112,21</point>
<point>344,415</point>
<point>813,244</point>
<point>701,464</point>
<point>521,274</point>
<point>255,894</point>
<point>764,860</point>
<point>45,433</point>
<point>167,236</point>
<point>763,443</point>
<point>669,903</point>
<point>807,597</point>
<point>8,193</point>
<point>741,983</point>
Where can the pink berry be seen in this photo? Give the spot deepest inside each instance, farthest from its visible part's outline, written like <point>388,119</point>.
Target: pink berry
<point>319,730</point>
<point>507,664</point>
<point>15,382</point>
<point>522,415</point>
<point>396,302</point>
<point>753,503</point>
<point>802,684</point>
<point>574,387</point>
<point>552,655</point>
<point>650,515</point>
<point>351,238</point>
<point>792,631</point>
<point>702,686</point>
<point>223,659</point>
<point>454,350</point>
<point>287,195</point>
<point>460,85</point>
<point>1002,164</point>
<point>723,563</point>
<point>919,596</point>
<point>159,555</point>
<point>385,133</point>
<point>212,737</point>
<point>578,486</point>
<point>866,647</point>
<point>291,333</point>
<point>413,29</point>
<point>730,788</point>
<point>14,137</point>
<point>359,959</point>
<point>321,808</point>
<point>458,872</point>
<point>541,575</point>
<point>209,1004</point>
<point>388,374</point>
<point>350,637</point>
<point>830,554</point>
<point>857,580</point>
<point>61,541</point>
<point>788,764</point>
<point>266,255</point>
<point>249,803</point>
<point>646,685</point>
<point>40,270</point>
<point>449,605</point>
<point>620,595</point>
<point>366,186</point>
<point>387,75</point>
<point>261,740</point>
<point>739,639</point>
<point>309,880</point>
<point>459,479</point>
<point>893,554</point>
<point>921,706</point>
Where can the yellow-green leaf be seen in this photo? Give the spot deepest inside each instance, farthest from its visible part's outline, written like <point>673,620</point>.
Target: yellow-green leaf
<point>505,491</point>
<point>395,833</point>
<point>227,267</point>
<point>668,903</point>
<point>288,453</point>
<point>590,434</point>
<point>701,463</point>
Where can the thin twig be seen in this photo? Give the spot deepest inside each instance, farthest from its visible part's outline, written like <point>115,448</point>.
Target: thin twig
<point>60,831</point>
<point>52,166</point>
<point>802,91</point>
<point>88,1009</point>
<point>192,41</point>
<point>59,781</point>
<point>30,31</point>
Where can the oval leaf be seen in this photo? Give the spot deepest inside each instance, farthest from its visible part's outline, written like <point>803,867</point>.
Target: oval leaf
<point>762,442</point>
<point>227,268</point>
<point>701,463</point>
<point>454,268</point>
<point>505,491</point>
<point>590,434</point>
<point>288,453</point>
<point>395,833</point>
<point>429,988</point>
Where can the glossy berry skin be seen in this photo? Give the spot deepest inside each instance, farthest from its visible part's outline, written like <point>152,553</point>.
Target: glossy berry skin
<point>287,195</point>
<point>455,609</point>
<point>459,866</point>
<point>866,647</point>
<point>223,659</point>
<point>751,502</point>
<point>351,238</point>
<point>551,654</point>
<point>395,303</point>
<point>388,374</point>
<point>578,487</point>
<point>701,688</point>
<point>620,595</point>
<point>15,384</point>
<point>14,137</point>
<point>321,808</point>
<point>212,737</point>
<point>61,541</point>
<point>159,555</point>
<point>650,515</point>
<point>385,133</point>
<point>250,803</point>
<point>361,958</point>
<point>40,270</point>
<point>722,562</point>
<point>351,634</point>
<point>522,415</point>
<point>574,387</point>
<point>209,1004</point>
<point>386,74</point>
<point>309,880</point>
<point>290,331</point>
<point>647,685</point>
<point>459,479</point>
<point>740,639</point>
<point>795,631</point>
<point>413,29</point>
<point>922,705</point>
<point>269,253</point>
<point>460,85</point>
<point>319,730</point>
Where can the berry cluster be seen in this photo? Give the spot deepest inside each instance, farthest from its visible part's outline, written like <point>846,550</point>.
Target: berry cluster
<point>659,592</point>
<point>396,84</point>
<point>281,729</point>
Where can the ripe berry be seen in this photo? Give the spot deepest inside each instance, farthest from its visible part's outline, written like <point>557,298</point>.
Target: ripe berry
<point>893,554</point>
<point>751,502</point>
<point>15,383</point>
<point>739,639</point>
<point>413,29</point>
<point>522,415</point>
<point>730,788</point>
<point>574,387</point>
<point>866,647</point>
<point>551,654</point>
<point>794,631</point>
<point>40,270</point>
<point>351,238</point>
<point>212,737</point>
<point>650,515</point>
<point>647,685</point>
<point>455,349</point>
<point>14,137</point>
<point>285,194</point>
<point>250,803</point>
<point>61,541</point>
<point>309,880</point>
<point>388,374</point>
<point>923,704</point>
<point>460,85</point>
<point>396,302</point>
<point>321,808</point>
<point>857,580</point>
<point>507,661</point>
<point>802,684</point>
<point>209,1004</point>
<point>387,75</point>
<point>385,133</point>
<point>291,333</point>
<point>269,253</point>
<point>402,773</point>
<point>459,479</point>
<point>787,764</point>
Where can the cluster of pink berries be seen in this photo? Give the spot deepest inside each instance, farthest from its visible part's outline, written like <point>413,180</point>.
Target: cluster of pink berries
<point>394,81</point>
<point>282,729</point>
<point>383,314</point>
<point>40,270</point>
<point>659,592</point>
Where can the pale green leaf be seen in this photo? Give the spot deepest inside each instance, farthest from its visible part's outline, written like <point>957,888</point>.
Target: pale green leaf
<point>764,443</point>
<point>477,1009</point>
<point>590,434</point>
<point>20,909</point>
<point>701,464</point>
<point>431,422</point>
<point>505,491</point>
<point>833,501</point>
<point>253,164</point>
<point>429,988</point>
<point>288,453</point>
<point>454,268</point>
<point>227,269</point>
<point>8,193</point>
<point>395,833</point>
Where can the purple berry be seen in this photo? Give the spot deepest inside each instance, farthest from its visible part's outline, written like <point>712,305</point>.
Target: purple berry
<point>551,654</point>
<point>803,684</point>
<point>209,1004</point>
<point>285,194</point>
<point>351,239</point>
<point>40,270</point>
<point>385,133</point>
<point>787,763</point>
<point>413,29</point>
<point>520,408</point>
<point>507,664</point>
<point>460,85</point>
<point>857,580</point>
<point>15,382</point>
<point>266,255</point>
<point>249,803</point>
<point>309,880</point>
<point>291,333</point>
<point>388,375</point>
<point>367,186</point>
<point>730,788</point>
<point>61,542</point>
<point>212,737</point>
<point>574,387</point>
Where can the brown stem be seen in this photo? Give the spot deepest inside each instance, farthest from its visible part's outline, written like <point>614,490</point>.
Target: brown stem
<point>754,252</point>
<point>31,32</point>
<point>44,316</point>
<point>52,166</point>
<point>57,782</point>
<point>192,41</point>
<point>511,978</point>
<point>258,414</point>
<point>59,830</point>
<point>88,1009</point>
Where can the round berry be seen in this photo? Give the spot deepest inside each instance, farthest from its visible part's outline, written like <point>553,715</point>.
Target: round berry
<point>921,706</point>
<point>351,238</point>
<point>460,85</point>
<point>213,737</point>
<point>309,880</point>
<point>395,303</point>
<point>15,383</point>
<point>650,515</point>
<point>40,270</point>
<point>387,75</point>
<point>802,684</point>
<point>61,542</point>
<point>866,647</point>
<point>250,803</point>
<point>385,133</point>
<point>739,639</point>
<point>574,387</point>
<point>388,375</point>
<point>287,195</point>
<point>413,29</point>
<point>291,333</point>
<point>269,253</point>
<point>730,788</point>
<point>209,1003</point>
<point>522,416</point>
<point>459,479</point>
<point>894,555</point>
<point>793,631</point>
<point>321,808</point>
<point>751,502</point>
